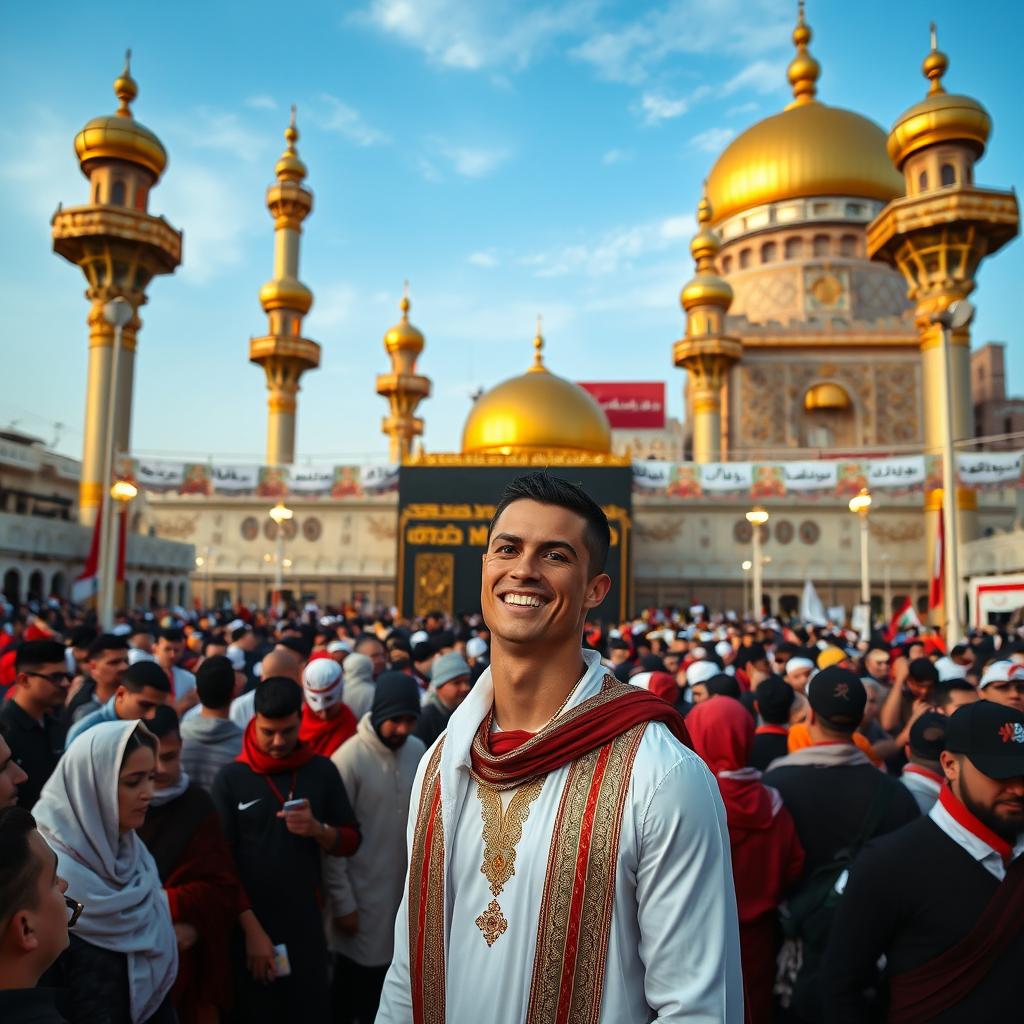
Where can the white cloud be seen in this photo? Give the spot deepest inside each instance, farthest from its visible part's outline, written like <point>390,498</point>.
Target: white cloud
<point>261,102</point>
<point>471,36</point>
<point>485,258</point>
<point>338,117</point>
<point>742,108</point>
<point>222,131</point>
<point>467,161</point>
<point>333,305</point>
<point>712,140</point>
<point>616,156</point>
<point>655,107</point>
<point>45,173</point>
<point>762,76</point>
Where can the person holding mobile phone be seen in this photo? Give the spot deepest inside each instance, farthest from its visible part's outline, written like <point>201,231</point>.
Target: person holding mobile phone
<point>282,807</point>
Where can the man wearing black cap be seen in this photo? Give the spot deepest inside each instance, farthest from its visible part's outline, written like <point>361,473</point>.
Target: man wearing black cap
<point>942,899</point>
<point>838,800</point>
<point>922,774</point>
<point>143,689</point>
<point>378,766</point>
<point>774,701</point>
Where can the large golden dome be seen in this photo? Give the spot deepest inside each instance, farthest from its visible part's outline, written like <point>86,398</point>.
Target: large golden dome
<point>536,412</point>
<point>809,149</point>
<point>119,136</point>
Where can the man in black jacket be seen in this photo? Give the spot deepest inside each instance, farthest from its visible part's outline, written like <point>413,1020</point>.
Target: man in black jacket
<point>281,806</point>
<point>943,898</point>
<point>450,677</point>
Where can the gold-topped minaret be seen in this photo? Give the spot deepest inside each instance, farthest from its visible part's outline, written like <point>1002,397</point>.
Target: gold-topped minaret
<point>283,353</point>
<point>937,234</point>
<point>403,387</point>
<point>120,247</point>
<point>803,71</point>
<point>706,353</point>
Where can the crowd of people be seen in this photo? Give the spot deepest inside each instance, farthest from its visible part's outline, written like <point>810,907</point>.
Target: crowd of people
<point>203,815</point>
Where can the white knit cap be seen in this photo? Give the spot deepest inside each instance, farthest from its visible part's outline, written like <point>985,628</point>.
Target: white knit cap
<point>476,647</point>
<point>723,648</point>
<point>799,663</point>
<point>701,672</point>
<point>419,637</point>
<point>323,683</point>
<point>949,669</point>
<point>237,658</point>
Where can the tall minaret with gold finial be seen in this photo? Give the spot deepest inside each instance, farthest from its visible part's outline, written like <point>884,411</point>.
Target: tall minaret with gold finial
<point>283,353</point>
<point>120,247</point>
<point>803,71</point>
<point>707,353</point>
<point>937,235</point>
<point>403,387</point>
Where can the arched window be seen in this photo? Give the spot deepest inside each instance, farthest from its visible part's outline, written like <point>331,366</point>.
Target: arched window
<point>922,181</point>
<point>744,259</point>
<point>821,245</point>
<point>769,252</point>
<point>848,245</point>
<point>947,174</point>
<point>726,264</point>
<point>117,193</point>
<point>140,197</point>
<point>96,193</point>
<point>794,248</point>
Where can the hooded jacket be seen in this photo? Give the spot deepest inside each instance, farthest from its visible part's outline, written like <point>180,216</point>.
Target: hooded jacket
<point>359,686</point>
<point>207,744</point>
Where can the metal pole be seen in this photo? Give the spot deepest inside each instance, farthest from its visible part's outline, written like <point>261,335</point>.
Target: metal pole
<point>746,587</point>
<point>865,582</point>
<point>951,591</point>
<point>279,575</point>
<point>756,568</point>
<point>887,569</point>
<point>108,535</point>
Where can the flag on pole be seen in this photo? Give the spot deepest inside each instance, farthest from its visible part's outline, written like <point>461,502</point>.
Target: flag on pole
<point>87,584</point>
<point>812,609</point>
<point>935,588</point>
<point>903,619</point>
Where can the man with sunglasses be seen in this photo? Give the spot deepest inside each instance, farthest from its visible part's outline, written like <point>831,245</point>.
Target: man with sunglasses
<point>35,914</point>
<point>31,718</point>
<point>1002,682</point>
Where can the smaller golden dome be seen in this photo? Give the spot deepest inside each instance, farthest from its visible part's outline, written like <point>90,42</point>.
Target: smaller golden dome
<point>706,288</point>
<point>119,136</point>
<point>536,412</point>
<point>939,117</point>
<point>289,167</point>
<point>826,396</point>
<point>403,337</point>
<point>286,293</point>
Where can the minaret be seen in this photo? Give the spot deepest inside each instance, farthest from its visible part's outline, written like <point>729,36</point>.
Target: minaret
<point>937,235</point>
<point>707,352</point>
<point>120,247</point>
<point>283,353</point>
<point>403,387</point>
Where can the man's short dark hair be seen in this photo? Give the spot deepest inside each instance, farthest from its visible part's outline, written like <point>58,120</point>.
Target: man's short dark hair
<point>81,636</point>
<point>923,670</point>
<point>106,642</point>
<point>213,640</point>
<point>36,653</point>
<point>775,700</point>
<point>942,693</point>
<point>366,638</point>
<point>277,697</point>
<point>146,674</point>
<point>552,490</point>
<point>215,682</point>
<point>164,722</point>
<point>173,635</point>
<point>19,869</point>
<point>239,632</point>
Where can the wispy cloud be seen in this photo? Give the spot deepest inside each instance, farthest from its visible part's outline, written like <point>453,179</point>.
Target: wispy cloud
<point>45,172</point>
<point>655,107</point>
<point>712,139</point>
<point>485,258</point>
<point>616,156</point>
<point>762,76</point>
<point>467,161</point>
<point>333,306</point>
<point>334,115</point>
<point>261,102</point>
<point>222,131</point>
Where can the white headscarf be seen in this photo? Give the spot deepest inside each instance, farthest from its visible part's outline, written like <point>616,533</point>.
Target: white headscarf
<point>112,874</point>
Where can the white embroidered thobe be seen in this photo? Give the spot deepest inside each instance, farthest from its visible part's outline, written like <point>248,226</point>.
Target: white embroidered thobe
<point>673,953</point>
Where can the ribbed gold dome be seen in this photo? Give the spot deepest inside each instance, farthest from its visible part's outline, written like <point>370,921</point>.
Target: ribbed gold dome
<point>119,136</point>
<point>537,411</point>
<point>809,149</point>
<point>403,337</point>
<point>939,117</point>
<point>826,396</point>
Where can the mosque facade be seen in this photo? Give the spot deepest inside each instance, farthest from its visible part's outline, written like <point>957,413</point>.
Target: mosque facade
<point>825,249</point>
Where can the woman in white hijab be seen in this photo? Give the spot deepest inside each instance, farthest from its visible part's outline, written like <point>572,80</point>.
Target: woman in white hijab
<point>123,960</point>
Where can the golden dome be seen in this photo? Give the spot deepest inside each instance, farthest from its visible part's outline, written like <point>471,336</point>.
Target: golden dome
<point>535,412</point>
<point>939,117</point>
<point>809,149</point>
<point>826,396</point>
<point>286,293</point>
<point>119,136</point>
<point>289,167</point>
<point>705,288</point>
<point>403,337</point>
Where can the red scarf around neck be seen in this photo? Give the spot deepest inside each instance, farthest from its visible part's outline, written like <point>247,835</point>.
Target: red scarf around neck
<point>324,736</point>
<point>962,816</point>
<point>592,724</point>
<point>264,764</point>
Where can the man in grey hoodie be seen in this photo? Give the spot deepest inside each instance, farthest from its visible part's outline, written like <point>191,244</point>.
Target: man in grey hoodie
<point>359,687</point>
<point>210,740</point>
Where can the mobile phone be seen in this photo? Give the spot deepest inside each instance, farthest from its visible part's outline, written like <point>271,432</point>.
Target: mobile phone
<point>295,805</point>
<point>282,965</point>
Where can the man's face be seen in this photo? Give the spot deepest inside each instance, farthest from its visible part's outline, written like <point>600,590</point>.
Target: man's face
<point>168,651</point>
<point>247,642</point>
<point>168,761</point>
<point>915,651</point>
<point>957,699</point>
<point>798,678</point>
<point>1010,694</point>
<point>11,776</point>
<point>536,584</point>
<point>998,803</point>
<point>618,655</point>
<point>108,667</point>
<point>671,661</point>
<point>142,641</point>
<point>395,731</point>
<point>213,649</point>
<point>374,650</point>
<point>699,692</point>
<point>277,737</point>
<point>919,690</point>
<point>455,691</point>
<point>870,705</point>
<point>132,706</point>
<point>44,921</point>
<point>46,686</point>
<point>877,664</point>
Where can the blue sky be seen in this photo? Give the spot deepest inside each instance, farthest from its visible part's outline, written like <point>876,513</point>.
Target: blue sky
<point>509,158</point>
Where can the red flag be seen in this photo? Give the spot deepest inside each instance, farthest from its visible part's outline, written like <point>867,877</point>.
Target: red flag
<point>903,619</point>
<point>88,583</point>
<point>935,589</point>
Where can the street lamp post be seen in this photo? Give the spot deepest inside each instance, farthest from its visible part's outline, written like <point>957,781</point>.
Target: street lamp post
<point>958,314</point>
<point>280,513</point>
<point>122,491</point>
<point>117,312</point>
<point>746,567</point>
<point>757,517</point>
<point>861,505</point>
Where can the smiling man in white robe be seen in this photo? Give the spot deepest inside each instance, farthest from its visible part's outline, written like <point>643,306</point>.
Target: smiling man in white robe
<point>568,852</point>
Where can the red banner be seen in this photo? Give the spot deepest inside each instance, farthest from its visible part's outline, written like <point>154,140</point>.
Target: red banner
<point>630,405</point>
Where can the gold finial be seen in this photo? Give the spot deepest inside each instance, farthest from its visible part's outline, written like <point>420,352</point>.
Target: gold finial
<point>935,64</point>
<point>405,303</point>
<point>289,166</point>
<point>538,347</point>
<point>125,87</point>
<point>803,70</point>
<point>291,133</point>
<point>704,211</point>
